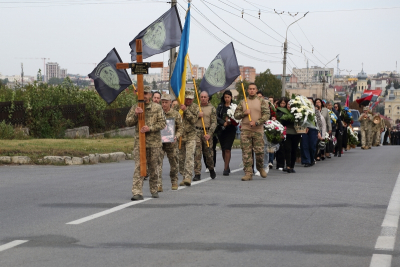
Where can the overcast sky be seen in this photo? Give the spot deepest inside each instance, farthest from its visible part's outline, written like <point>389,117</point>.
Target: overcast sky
<point>78,33</point>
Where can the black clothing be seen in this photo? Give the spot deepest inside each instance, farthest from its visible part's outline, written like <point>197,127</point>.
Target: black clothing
<point>291,145</point>
<point>226,135</point>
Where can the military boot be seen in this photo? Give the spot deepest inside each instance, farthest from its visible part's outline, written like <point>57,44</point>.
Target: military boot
<point>137,197</point>
<point>187,182</point>
<point>174,187</point>
<point>247,177</point>
<point>182,183</point>
<point>196,178</point>
<point>159,188</point>
<point>263,173</point>
<point>155,195</point>
<point>363,147</point>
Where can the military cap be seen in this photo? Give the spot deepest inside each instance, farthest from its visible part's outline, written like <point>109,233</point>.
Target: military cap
<point>147,89</point>
<point>166,97</point>
<point>189,94</point>
<point>365,109</point>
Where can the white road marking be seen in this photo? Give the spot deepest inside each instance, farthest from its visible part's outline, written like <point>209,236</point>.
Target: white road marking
<point>100,214</point>
<point>385,243</point>
<point>387,239</point>
<point>381,260</point>
<point>195,183</point>
<point>241,169</point>
<point>123,206</point>
<point>12,244</point>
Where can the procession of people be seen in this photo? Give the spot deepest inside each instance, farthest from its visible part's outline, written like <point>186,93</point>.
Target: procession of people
<point>293,132</point>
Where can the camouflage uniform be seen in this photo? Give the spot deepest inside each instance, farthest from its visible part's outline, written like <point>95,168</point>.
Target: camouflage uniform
<point>251,138</point>
<point>155,120</point>
<point>210,122</point>
<point>170,149</point>
<point>188,143</point>
<point>365,125</point>
<point>376,132</point>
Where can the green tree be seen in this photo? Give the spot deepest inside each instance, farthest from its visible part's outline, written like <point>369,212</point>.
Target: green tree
<point>269,84</point>
<point>145,82</point>
<point>369,82</point>
<point>154,85</point>
<point>239,89</point>
<point>55,81</point>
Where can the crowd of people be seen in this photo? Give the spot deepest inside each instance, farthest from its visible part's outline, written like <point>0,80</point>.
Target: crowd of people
<point>198,129</point>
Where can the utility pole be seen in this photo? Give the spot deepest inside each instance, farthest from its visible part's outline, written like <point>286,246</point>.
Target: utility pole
<point>171,61</point>
<point>324,91</point>
<point>284,58</point>
<point>22,74</point>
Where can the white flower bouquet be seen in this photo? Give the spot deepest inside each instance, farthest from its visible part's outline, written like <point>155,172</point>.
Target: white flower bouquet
<point>230,114</point>
<point>302,109</point>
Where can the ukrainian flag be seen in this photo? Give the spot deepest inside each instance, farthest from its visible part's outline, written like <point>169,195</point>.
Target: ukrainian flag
<point>178,78</point>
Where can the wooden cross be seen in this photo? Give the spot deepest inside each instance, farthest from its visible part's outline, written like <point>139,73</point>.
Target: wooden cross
<point>141,68</point>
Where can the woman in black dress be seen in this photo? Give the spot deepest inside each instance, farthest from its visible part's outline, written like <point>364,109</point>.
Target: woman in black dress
<point>227,131</point>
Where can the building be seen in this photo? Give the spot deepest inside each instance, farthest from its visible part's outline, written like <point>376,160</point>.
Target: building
<point>313,90</point>
<point>198,72</point>
<point>379,84</point>
<point>52,70</point>
<point>63,73</point>
<point>314,74</point>
<point>248,73</point>
<point>361,84</point>
<point>165,74</point>
<point>392,104</point>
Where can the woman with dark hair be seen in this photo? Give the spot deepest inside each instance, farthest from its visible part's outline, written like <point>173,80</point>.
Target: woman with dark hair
<point>226,131</point>
<point>291,143</point>
<point>339,130</point>
<point>323,121</point>
<point>280,154</point>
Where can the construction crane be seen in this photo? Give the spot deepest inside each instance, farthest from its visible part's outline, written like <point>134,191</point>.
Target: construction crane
<point>42,58</point>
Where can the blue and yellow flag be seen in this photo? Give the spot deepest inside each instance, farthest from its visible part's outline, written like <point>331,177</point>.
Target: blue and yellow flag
<point>178,78</point>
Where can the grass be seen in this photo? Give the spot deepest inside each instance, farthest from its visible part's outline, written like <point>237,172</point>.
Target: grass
<point>39,148</point>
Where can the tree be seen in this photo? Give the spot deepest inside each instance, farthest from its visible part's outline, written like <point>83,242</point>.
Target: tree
<point>55,81</point>
<point>239,89</point>
<point>154,85</point>
<point>269,84</point>
<point>369,82</point>
<point>145,82</point>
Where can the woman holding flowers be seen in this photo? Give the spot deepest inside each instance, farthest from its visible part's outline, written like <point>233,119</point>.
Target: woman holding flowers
<point>227,127</point>
<point>292,141</point>
<point>280,112</point>
<point>324,125</point>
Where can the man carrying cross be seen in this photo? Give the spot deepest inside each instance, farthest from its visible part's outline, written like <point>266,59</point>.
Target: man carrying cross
<point>154,123</point>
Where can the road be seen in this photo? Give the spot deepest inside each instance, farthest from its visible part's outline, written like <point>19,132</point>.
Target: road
<point>327,215</point>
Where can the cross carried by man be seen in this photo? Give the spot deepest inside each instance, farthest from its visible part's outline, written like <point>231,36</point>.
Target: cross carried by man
<point>139,68</point>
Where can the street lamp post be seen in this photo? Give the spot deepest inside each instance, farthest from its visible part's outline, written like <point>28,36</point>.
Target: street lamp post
<point>324,90</point>
<point>284,58</point>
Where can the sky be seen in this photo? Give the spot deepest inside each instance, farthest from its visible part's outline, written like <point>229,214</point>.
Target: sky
<point>79,33</point>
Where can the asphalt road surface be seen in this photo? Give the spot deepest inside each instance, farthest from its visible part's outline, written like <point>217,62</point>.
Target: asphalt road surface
<point>341,212</point>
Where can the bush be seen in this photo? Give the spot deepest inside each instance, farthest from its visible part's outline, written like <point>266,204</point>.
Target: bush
<point>43,106</point>
<point>8,132</point>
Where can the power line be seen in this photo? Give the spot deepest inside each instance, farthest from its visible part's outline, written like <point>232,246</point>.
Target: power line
<point>237,30</point>
<point>266,53</point>
<point>224,43</point>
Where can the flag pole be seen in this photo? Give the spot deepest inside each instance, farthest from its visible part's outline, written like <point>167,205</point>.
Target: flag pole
<point>245,98</point>
<point>198,100</point>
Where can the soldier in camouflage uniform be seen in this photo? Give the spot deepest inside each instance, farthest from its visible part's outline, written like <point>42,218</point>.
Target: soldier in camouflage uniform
<point>377,129</point>
<point>170,148</point>
<point>366,121</point>
<point>188,143</point>
<point>154,123</point>
<point>209,115</point>
<point>251,137</point>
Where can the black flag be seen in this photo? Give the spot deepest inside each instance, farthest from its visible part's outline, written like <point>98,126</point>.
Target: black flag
<point>160,36</point>
<point>222,72</point>
<point>108,81</point>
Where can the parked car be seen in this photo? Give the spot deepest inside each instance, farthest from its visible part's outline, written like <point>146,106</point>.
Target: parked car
<point>356,123</point>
